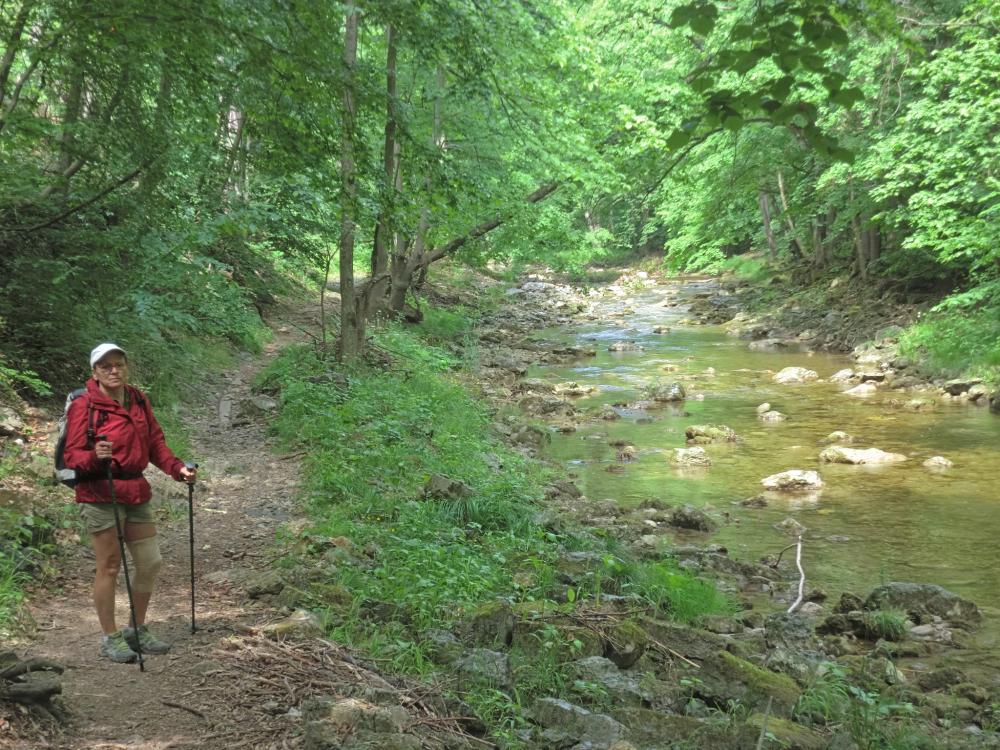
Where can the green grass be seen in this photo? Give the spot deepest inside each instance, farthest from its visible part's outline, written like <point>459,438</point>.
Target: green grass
<point>958,340</point>
<point>889,624</point>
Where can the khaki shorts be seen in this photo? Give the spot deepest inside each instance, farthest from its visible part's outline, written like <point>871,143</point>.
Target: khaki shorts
<point>101,516</point>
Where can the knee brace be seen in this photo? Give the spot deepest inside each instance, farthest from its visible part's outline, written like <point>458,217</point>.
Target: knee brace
<point>146,560</point>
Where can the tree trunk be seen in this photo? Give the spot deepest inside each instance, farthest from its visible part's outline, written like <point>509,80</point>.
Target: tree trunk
<point>788,217</point>
<point>819,256</point>
<point>72,110</point>
<point>162,119</point>
<point>379,281</point>
<point>765,213</point>
<point>13,44</point>
<point>859,247</point>
<point>873,244</point>
<point>407,264</point>
<point>352,325</point>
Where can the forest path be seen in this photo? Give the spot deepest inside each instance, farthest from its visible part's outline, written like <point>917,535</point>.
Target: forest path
<point>247,492</point>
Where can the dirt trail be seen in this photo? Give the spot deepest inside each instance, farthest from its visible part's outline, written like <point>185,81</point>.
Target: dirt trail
<point>247,493</point>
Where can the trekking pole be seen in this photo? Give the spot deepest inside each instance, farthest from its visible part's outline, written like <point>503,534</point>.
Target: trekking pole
<point>191,466</point>
<point>121,547</point>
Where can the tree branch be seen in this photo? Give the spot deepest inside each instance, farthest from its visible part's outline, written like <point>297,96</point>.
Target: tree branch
<point>90,201</point>
<point>478,231</point>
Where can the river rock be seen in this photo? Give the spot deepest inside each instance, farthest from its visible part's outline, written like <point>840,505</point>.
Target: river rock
<point>534,384</point>
<point>772,345</point>
<point>938,462</point>
<point>565,723</point>
<point>862,390</point>
<point>842,376</point>
<point>961,385</point>
<point>763,408</point>
<point>625,346</point>
<point>771,416</point>
<point>661,329</point>
<point>689,517</point>
<point>695,456</point>
<point>573,388</point>
<point>978,394</point>
<point>793,480</point>
<point>795,375</point>
<point>837,454</point>
<point>538,405</point>
<point>838,436</point>
<point>922,601</point>
<point>667,393</point>
<point>710,433</point>
<point>995,401</point>
<point>608,413</point>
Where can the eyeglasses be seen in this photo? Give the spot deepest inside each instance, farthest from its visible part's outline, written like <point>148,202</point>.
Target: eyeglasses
<point>112,366</point>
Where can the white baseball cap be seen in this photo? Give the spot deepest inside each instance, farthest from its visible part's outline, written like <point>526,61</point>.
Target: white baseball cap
<point>101,349</point>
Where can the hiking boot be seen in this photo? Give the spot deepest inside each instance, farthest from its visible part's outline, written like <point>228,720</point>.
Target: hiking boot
<point>149,642</point>
<point>116,648</point>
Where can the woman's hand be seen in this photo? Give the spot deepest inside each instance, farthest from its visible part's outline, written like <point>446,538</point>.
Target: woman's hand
<point>103,449</point>
<point>188,475</point>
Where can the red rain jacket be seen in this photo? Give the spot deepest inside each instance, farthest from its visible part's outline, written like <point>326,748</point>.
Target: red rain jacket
<point>138,441</point>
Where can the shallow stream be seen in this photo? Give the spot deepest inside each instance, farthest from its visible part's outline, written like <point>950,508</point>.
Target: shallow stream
<point>900,522</point>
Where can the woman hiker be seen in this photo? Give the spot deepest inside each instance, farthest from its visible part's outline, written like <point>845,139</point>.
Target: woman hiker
<point>131,439</point>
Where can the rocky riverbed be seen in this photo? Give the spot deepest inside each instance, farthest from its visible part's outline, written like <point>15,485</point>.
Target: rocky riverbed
<point>893,641</point>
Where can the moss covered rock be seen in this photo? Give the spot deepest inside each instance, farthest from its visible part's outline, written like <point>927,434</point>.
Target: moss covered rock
<point>625,644</point>
<point>727,678</point>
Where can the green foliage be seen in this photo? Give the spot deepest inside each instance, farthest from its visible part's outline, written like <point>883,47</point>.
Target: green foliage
<point>27,544</point>
<point>960,333</point>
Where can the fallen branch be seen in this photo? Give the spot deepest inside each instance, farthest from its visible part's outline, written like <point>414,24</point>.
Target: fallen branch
<point>182,707</point>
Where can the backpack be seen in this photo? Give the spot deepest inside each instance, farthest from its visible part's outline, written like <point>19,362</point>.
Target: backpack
<point>69,477</point>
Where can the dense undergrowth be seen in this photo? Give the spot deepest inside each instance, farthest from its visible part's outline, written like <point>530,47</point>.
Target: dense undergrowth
<point>375,434</point>
<point>948,335</point>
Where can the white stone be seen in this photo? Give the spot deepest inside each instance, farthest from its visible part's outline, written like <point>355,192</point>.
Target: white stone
<point>837,454</point>
<point>794,479</point>
<point>795,375</point>
<point>695,456</point>
<point>862,390</point>
<point>938,462</point>
<point>763,408</point>
<point>841,376</point>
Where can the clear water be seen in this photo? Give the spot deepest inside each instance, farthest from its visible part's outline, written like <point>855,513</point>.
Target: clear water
<point>869,524</point>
